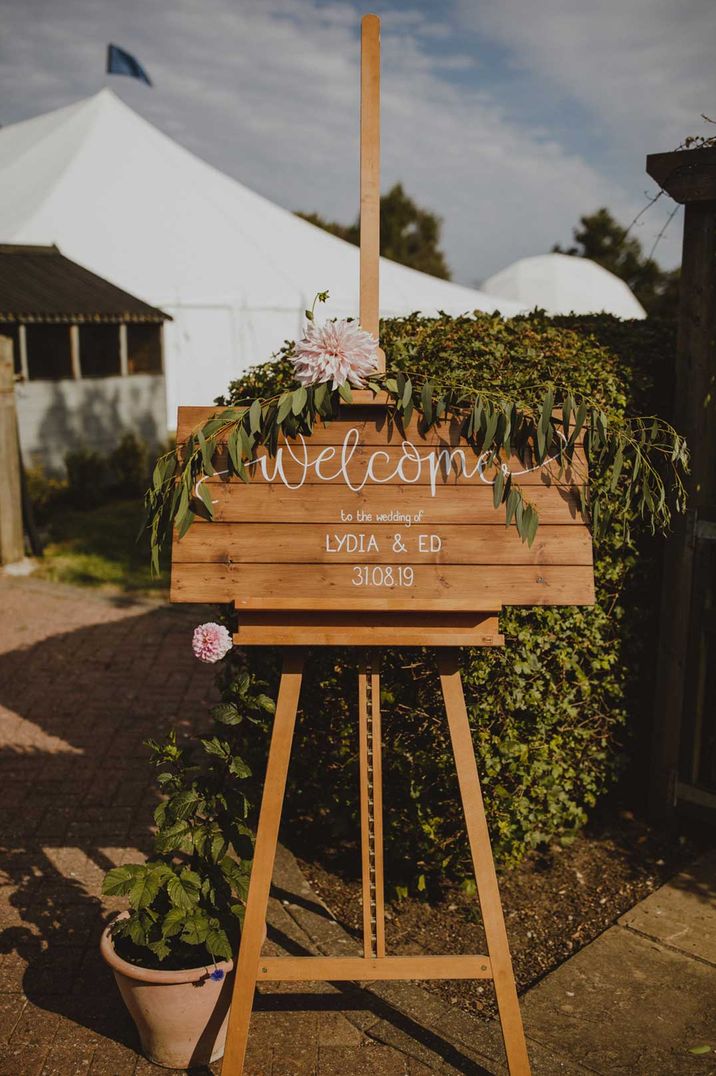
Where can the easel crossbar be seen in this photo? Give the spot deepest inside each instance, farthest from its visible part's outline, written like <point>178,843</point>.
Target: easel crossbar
<point>367,969</point>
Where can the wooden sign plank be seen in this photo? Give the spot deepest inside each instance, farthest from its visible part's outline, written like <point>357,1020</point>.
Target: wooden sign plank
<point>309,543</point>
<point>325,586</point>
<point>257,502</point>
<point>300,463</point>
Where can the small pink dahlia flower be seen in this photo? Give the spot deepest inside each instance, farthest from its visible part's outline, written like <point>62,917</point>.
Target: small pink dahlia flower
<point>336,351</point>
<point>211,642</point>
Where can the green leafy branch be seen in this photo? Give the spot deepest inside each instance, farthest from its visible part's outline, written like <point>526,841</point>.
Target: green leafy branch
<point>641,460</point>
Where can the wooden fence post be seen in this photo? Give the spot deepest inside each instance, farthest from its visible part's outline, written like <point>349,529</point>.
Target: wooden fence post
<point>12,545</point>
<point>681,766</point>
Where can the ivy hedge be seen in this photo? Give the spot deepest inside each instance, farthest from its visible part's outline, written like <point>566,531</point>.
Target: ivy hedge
<point>549,711</point>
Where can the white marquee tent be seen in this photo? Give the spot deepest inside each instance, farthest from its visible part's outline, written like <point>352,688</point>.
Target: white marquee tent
<point>563,284</point>
<point>235,271</point>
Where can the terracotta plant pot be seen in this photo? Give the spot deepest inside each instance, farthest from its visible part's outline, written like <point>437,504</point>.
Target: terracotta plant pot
<point>181,1016</point>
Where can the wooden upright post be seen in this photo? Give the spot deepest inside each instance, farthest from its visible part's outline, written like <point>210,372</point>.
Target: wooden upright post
<point>370,176</point>
<point>12,546</point>
<point>681,699</point>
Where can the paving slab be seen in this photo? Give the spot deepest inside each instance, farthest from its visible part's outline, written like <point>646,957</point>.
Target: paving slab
<point>681,914</point>
<point>626,1004</point>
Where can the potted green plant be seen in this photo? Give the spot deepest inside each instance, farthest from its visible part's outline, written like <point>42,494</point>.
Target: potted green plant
<point>171,950</point>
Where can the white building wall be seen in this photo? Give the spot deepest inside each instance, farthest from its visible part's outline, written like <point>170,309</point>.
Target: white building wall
<point>56,417</point>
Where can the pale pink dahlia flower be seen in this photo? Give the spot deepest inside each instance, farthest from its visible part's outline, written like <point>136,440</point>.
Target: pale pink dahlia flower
<point>211,642</point>
<point>336,351</point>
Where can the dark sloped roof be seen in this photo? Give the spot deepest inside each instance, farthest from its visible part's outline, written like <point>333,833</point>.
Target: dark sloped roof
<point>40,284</point>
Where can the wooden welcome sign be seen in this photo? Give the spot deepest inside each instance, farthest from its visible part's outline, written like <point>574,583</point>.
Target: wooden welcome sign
<point>369,534</point>
<point>364,515</point>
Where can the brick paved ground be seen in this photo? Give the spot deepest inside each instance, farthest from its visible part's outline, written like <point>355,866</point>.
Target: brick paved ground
<point>84,680</point>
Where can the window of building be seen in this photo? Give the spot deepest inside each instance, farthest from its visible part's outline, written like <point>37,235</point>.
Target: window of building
<point>10,328</point>
<point>49,356</point>
<point>144,349</point>
<point>99,351</point>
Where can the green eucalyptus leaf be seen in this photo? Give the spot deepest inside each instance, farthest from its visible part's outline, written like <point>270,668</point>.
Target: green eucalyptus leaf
<point>255,416</point>
<point>298,400</point>
<point>285,404</point>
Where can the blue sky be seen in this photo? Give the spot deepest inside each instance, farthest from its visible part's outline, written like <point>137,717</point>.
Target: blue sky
<point>507,117</point>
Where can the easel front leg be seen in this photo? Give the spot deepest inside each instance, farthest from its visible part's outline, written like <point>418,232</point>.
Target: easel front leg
<point>264,856</point>
<point>483,863</point>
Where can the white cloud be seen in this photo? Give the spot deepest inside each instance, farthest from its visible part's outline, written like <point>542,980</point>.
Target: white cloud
<point>268,91</point>
<point>644,68</point>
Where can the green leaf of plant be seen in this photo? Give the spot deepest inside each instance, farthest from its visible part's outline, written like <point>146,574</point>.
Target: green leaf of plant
<point>173,922</point>
<point>426,401</point>
<point>160,949</point>
<point>174,838</point>
<point>119,880</point>
<point>227,713</point>
<point>255,416</point>
<point>217,942</point>
<point>145,888</point>
<point>547,408</point>
<point>206,453</point>
<point>320,396</point>
<point>514,497</point>
<point>498,487</point>
<point>217,747</point>
<point>184,804</point>
<point>238,767</point>
<point>205,495</point>
<point>345,393</point>
<point>196,928</point>
<point>284,406</point>
<point>298,400</point>
<point>184,889</point>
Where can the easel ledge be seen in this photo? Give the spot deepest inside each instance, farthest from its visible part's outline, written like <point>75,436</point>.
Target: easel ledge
<point>277,628</point>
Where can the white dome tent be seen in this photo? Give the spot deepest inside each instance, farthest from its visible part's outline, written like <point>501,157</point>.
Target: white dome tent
<point>234,270</point>
<point>564,284</point>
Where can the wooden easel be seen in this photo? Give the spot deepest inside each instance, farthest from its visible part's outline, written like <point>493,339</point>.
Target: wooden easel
<point>368,630</point>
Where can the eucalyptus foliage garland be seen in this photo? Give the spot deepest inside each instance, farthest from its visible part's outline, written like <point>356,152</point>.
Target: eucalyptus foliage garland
<point>640,460</point>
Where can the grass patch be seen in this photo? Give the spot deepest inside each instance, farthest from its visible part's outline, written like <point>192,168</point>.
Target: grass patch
<point>98,547</point>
